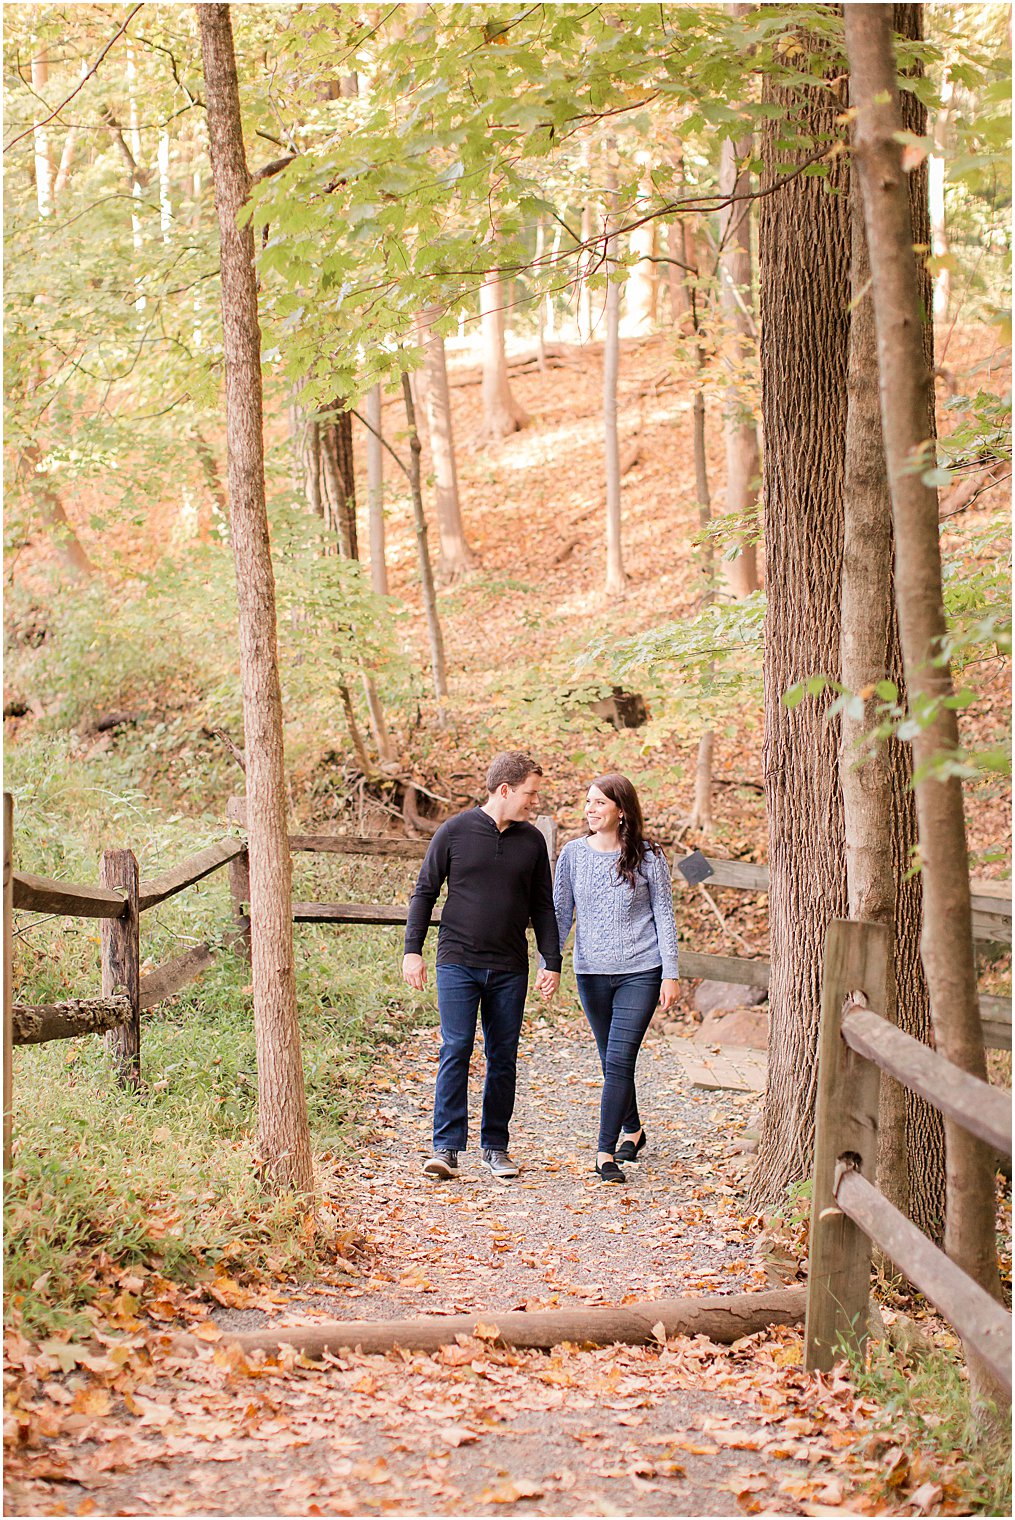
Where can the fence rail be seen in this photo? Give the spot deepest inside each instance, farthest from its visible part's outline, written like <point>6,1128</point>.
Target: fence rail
<point>121,899</point>
<point>847,1210</point>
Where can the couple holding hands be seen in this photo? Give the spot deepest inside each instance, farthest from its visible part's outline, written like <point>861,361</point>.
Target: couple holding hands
<point>613,885</point>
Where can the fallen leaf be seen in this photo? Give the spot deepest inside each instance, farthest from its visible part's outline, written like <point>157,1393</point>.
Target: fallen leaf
<point>510,1491</point>
<point>207,1331</point>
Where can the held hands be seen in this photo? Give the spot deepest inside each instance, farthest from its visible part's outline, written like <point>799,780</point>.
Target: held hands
<point>414,971</point>
<point>547,983</point>
<point>667,993</point>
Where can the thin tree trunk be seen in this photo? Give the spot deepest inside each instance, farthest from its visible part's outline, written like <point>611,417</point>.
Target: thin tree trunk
<point>939,244</point>
<point>616,579</point>
<point>283,1131</point>
<point>584,313</point>
<point>804,247</point>
<point>737,301</point>
<point>66,162</point>
<point>640,286</point>
<point>701,811</point>
<point>46,498</point>
<point>40,139</point>
<point>502,415</point>
<point>375,492</point>
<point>433,626</point>
<point>456,557</point>
<point>906,387</point>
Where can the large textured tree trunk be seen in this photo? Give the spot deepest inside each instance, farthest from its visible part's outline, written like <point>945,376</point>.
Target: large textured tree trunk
<point>804,247</point>
<point>878,802</point>
<point>905,395</point>
<point>502,415</point>
<point>736,296</point>
<point>456,556</point>
<point>283,1133</point>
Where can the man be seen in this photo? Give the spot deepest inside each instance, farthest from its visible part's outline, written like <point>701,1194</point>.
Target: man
<point>498,874</point>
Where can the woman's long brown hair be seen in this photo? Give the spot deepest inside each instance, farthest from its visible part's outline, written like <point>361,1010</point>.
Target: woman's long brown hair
<point>633,844</point>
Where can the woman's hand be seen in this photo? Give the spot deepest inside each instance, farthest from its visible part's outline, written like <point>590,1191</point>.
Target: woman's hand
<point>668,992</point>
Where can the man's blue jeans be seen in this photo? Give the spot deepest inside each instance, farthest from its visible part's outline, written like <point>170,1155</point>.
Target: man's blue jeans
<point>463,994</point>
<point>619,1010</point>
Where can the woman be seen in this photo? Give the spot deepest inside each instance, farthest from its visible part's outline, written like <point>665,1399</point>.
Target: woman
<point>615,886</point>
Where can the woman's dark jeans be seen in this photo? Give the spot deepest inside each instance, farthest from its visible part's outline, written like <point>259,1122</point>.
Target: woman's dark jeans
<point>619,1009</point>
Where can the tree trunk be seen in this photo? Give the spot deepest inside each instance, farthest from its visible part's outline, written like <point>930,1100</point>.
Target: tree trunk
<point>939,244</point>
<point>46,498</point>
<point>804,247</point>
<point>906,389</point>
<point>501,413</point>
<point>584,312</point>
<point>339,476</point>
<point>701,811</point>
<point>737,301</point>
<point>433,625</point>
<point>40,138</point>
<point>283,1132</point>
<point>640,288</point>
<point>616,579</point>
<point>878,802</point>
<point>456,556</point>
<point>375,492</point>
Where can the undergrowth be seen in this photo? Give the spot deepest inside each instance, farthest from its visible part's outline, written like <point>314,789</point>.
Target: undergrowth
<point>925,1430</point>
<point>105,1180</point>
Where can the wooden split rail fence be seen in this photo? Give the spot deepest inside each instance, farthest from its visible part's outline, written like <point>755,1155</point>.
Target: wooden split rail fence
<point>121,898</point>
<point>848,1213</point>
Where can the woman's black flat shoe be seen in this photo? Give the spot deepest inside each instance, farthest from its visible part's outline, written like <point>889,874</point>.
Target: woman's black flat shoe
<point>630,1149</point>
<point>609,1172</point>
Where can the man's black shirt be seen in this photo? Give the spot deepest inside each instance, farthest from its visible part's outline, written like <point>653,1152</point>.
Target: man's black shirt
<point>497,881</point>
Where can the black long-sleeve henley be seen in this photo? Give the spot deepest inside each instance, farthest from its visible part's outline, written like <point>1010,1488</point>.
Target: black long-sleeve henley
<point>498,880</point>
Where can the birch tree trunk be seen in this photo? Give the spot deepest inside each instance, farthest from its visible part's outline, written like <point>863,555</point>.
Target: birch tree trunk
<point>282,1132</point>
<point>40,139</point>
<point>906,388</point>
<point>804,248</point>
<point>939,243</point>
<point>878,802</point>
<point>502,415</point>
<point>456,556</point>
<point>736,296</point>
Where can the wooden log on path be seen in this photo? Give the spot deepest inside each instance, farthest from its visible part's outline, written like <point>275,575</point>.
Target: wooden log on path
<point>37,1024</point>
<point>722,1319</point>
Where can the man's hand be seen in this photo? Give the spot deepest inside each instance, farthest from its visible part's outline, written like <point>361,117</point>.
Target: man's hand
<point>547,983</point>
<point>668,992</point>
<point>414,971</point>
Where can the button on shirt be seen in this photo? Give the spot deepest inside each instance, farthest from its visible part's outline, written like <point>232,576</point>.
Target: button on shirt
<point>498,881</point>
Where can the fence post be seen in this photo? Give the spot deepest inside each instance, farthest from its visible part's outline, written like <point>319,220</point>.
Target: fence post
<point>856,959</point>
<point>239,880</point>
<point>8,975</point>
<point>121,963</point>
<point>547,826</point>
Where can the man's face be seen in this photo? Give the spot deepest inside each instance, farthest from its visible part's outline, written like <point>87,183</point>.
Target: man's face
<point>521,801</point>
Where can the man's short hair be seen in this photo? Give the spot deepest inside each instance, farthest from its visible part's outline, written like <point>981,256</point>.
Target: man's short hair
<point>512,767</point>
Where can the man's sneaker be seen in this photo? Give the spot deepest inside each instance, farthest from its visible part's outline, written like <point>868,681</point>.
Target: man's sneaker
<point>442,1164</point>
<point>500,1164</point>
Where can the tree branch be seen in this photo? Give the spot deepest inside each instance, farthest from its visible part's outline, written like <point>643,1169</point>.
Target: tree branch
<point>79,86</point>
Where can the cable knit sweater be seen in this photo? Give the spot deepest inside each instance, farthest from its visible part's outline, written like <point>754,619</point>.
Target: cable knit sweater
<point>617,929</point>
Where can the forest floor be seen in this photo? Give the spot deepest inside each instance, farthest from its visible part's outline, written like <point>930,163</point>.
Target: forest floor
<point>127,1424</point>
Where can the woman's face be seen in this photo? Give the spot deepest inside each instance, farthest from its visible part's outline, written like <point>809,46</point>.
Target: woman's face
<point>601,814</point>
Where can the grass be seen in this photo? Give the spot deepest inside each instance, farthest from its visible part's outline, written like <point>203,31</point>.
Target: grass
<point>925,1415</point>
